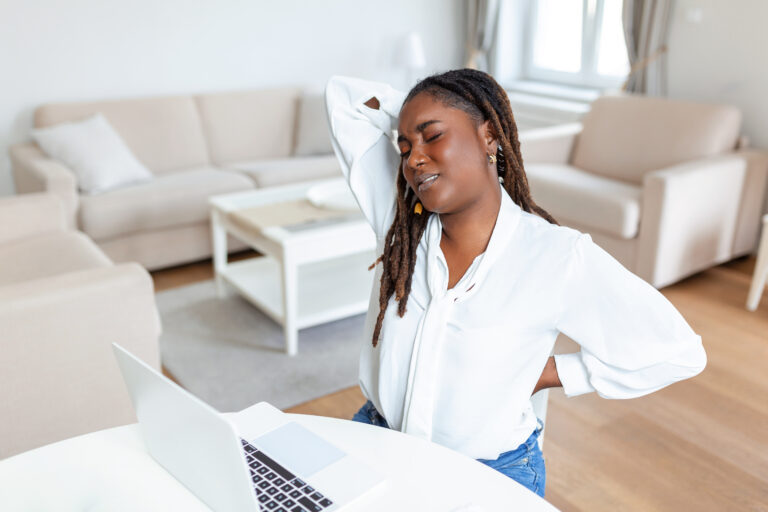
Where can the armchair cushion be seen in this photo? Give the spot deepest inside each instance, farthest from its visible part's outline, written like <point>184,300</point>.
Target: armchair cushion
<point>625,136</point>
<point>586,199</point>
<point>169,200</point>
<point>49,255</point>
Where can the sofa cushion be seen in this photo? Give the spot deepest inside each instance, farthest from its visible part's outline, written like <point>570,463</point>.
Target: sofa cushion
<point>48,255</point>
<point>169,200</point>
<point>625,136</point>
<point>164,133</point>
<point>312,135</point>
<point>279,171</point>
<point>248,125</point>
<point>605,204</point>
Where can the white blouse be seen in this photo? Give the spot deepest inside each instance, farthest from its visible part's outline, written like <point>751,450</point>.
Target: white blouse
<point>459,367</point>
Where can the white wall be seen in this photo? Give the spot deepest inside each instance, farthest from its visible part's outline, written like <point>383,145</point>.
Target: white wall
<point>75,50</point>
<point>722,58</point>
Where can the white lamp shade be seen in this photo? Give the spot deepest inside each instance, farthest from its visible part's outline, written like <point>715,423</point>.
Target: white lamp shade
<point>410,53</point>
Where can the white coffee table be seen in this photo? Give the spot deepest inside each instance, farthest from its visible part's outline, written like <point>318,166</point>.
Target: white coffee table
<point>311,274</point>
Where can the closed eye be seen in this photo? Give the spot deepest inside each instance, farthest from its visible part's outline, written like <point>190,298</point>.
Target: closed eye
<point>404,154</point>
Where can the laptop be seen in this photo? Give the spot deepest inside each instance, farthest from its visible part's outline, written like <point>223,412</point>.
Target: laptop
<point>258,460</point>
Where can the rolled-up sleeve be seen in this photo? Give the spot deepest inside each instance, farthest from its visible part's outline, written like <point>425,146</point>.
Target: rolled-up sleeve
<point>633,340</point>
<point>361,139</point>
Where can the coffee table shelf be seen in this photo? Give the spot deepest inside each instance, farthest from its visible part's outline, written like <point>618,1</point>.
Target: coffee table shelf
<point>322,296</point>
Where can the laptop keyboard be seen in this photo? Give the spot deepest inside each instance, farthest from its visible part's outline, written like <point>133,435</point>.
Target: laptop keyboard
<point>279,490</point>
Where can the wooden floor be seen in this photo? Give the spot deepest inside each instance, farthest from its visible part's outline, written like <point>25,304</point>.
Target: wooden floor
<point>698,445</point>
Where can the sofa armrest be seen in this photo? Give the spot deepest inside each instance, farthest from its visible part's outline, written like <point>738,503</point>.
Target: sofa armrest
<point>552,144</point>
<point>57,370</point>
<point>688,218</point>
<point>34,171</point>
<point>30,215</point>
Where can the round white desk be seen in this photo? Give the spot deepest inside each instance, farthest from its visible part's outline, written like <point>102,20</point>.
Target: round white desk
<point>110,470</point>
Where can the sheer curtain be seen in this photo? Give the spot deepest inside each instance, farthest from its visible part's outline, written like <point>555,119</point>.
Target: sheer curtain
<point>646,26</point>
<point>481,24</point>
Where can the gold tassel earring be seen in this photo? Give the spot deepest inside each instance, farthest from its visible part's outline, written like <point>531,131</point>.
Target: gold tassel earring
<point>417,209</point>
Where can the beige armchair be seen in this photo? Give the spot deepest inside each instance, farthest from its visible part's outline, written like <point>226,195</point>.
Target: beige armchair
<point>62,304</point>
<point>667,187</point>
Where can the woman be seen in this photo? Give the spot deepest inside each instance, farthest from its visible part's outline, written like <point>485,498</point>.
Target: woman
<point>476,280</point>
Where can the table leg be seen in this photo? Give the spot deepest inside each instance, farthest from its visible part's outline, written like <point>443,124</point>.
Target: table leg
<point>219,236</point>
<point>761,271</point>
<point>290,305</point>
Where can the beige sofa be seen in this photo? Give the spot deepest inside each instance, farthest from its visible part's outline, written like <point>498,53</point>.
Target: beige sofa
<point>196,146</point>
<point>667,187</point>
<point>62,304</point>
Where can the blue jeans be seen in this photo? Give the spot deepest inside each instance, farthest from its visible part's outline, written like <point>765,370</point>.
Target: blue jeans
<point>524,464</point>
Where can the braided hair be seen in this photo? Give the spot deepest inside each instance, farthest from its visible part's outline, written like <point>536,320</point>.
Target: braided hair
<point>482,98</point>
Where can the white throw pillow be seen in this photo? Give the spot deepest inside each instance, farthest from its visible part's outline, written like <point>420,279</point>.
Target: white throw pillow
<point>94,152</point>
<point>312,136</point>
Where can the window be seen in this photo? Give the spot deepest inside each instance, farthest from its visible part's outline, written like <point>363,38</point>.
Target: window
<point>576,42</point>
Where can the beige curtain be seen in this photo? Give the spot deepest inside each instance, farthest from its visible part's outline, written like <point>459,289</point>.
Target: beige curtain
<point>481,25</point>
<point>646,26</point>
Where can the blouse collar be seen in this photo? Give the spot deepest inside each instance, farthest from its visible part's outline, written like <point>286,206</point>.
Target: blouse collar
<point>437,274</point>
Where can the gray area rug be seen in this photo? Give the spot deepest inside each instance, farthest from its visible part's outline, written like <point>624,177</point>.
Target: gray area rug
<point>231,355</point>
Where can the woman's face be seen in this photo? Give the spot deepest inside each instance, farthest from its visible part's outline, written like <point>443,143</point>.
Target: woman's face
<point>444,155</point>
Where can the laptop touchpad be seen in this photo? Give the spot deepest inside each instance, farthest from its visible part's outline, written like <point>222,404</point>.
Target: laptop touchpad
<point>298,449</point>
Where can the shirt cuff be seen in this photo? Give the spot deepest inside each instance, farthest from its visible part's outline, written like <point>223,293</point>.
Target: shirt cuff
<point>393,102</point>
<point>573,374</point>
<point>377,117</point>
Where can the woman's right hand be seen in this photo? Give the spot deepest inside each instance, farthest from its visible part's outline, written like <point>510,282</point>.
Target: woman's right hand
<point>373,103</point>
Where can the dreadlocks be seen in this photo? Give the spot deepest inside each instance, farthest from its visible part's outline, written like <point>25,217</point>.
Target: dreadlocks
<point>482,98</point>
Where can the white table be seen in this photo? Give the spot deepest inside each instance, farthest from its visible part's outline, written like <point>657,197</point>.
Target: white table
<point>308,276</point>
<point>110,470</point>
<point>761,269</point>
